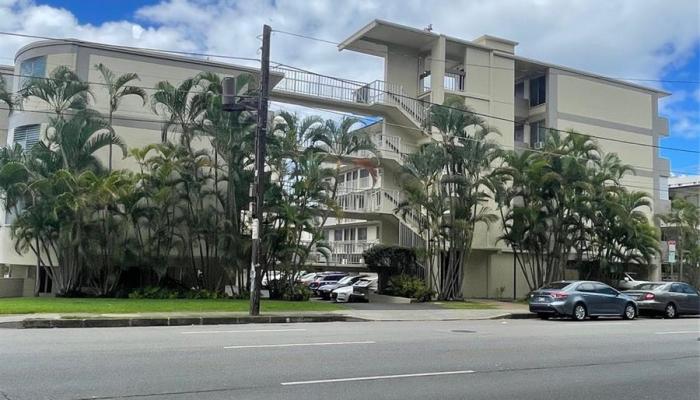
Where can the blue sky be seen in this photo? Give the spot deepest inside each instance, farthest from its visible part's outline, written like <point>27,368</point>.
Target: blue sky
<point>639,47</point>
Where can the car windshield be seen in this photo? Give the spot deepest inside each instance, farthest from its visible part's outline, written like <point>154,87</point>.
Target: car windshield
<point>648,286</point>
<point>556,285</point>
<point>347,279</point>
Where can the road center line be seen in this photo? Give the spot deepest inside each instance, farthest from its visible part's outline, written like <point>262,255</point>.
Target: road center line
<point>676,332</point>
<point>257,346</point>
<point>373,378</point>
<point>242,331</point>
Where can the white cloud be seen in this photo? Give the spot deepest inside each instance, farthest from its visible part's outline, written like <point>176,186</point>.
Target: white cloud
<point>625,38</point>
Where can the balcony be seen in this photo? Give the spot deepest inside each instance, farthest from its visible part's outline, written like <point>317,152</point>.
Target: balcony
<point>312,89</point>
<point>521,108</point>
<point>391,147</point>
<point>452,82</point>
<point>344,252</point>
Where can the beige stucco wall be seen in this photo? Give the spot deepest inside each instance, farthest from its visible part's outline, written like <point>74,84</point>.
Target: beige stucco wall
<point>604,101</point>
<point>11,287</point>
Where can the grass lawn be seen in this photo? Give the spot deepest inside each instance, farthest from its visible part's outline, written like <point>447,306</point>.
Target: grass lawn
<point>465,305</point>
<point>32,305</point>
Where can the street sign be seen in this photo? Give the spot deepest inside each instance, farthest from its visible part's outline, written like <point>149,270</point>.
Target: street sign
<point>671,251</point>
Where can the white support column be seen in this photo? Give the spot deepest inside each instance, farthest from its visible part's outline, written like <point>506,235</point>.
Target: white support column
<point>437,70</point>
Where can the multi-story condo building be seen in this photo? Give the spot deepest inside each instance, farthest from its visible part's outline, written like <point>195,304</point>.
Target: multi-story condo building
<point>516,95</point>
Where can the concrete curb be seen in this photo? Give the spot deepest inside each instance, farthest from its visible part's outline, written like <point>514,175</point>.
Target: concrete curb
<point>43,323</point>
<point>523,315</point>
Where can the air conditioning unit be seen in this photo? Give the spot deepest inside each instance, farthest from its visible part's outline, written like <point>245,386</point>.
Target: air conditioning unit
<point>538,146</point>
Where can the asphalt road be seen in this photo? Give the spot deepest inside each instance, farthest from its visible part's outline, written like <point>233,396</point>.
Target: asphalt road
<point>498,359</point>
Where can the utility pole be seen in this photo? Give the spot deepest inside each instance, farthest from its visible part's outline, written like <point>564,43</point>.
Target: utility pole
<point>260,139</point>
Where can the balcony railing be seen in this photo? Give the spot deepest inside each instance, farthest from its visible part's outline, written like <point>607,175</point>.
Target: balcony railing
<point>388,147</point>
<point>310,84</point>
<point>344,252</point>
<point>453,82</point>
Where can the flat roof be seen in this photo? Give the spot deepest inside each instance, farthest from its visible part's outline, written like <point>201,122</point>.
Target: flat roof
<point>275,77</point>
<point>368,38</point>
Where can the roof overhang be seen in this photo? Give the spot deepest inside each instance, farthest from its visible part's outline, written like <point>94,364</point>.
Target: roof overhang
<point>375,36</point>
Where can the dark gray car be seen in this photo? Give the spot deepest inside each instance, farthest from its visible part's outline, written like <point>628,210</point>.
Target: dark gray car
<point>581,299</point>
<point>670,299</point>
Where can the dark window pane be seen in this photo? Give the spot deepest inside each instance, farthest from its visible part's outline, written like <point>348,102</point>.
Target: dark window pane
<point>519,135</point>
<point>538,91</point>
<point>556,285</point>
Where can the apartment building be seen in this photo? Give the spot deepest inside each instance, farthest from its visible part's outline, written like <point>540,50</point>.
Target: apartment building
<point>516,95</point>
<point>135,122</point>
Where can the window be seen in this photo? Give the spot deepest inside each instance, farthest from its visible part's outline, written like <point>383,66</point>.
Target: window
<point>676,288</point>
<point>361,233</point>
<point>585,287</point>
<point>537,134</point>
<point>663,188</point>
<point>538,90</point>
<point>687,289</point>
<point>27,135</point>
<point>556,285</point>
<point>338,235</point>
<point>605,289</point>
<point>364,173</point>
<point>520,90</point>
<point>30,68</point>
<point>519,133</point>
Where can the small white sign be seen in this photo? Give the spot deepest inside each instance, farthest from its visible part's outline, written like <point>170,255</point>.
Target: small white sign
<point>256,229</point>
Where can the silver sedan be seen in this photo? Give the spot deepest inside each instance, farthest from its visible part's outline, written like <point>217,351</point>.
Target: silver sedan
<point>669,299</point>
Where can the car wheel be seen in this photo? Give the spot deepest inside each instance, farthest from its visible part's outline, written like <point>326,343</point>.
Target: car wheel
<point>542,316</point>
<point>579,312</point>
<point>630,312</point>
<point>670,311</point>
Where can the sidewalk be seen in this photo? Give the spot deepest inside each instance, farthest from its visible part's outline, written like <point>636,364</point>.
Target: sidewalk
<point>354,312</point>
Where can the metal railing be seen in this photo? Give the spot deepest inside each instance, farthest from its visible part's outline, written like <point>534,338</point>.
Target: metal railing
<point>452,81</point>
<point>307,83</point>
<point>344,252</point>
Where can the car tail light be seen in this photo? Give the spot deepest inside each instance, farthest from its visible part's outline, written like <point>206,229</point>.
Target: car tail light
<point>559,295</point>
<point>648,296</point>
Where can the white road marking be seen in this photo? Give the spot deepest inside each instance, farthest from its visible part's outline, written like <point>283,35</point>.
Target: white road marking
<point>676,332</point>
<point>256,346</point>
<point>373,378</point>
<point>243,331</point>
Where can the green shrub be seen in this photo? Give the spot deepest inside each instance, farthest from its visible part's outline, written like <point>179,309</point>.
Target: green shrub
<point>409,286</point>
<point>154,292</point>
<point>281,289</point>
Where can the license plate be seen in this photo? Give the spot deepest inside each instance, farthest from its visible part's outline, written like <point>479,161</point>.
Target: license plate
<point>540,300</point>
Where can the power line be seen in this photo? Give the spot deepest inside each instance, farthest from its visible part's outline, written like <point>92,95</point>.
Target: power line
<point>499,144</point>
<point>179,52</point>
<point>299,35</point>
<point>491,116</point>
<point>354,82</point>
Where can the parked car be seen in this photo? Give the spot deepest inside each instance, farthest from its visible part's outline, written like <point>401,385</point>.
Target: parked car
<point>628,281</point>
<point>670,299</point>
<point>326,280</point>
<point>581,299</point>
<point>326,290</point>
<point>357,292</point>
<point>315,276</point>
<point>307,278</point>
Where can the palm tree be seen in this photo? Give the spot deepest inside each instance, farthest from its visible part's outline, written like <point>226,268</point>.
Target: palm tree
<point>684,220</point>
<point>117,89</point>
<point>6,95</point>
<point>63,90</point>
<point>182,107</point>
<point>79,138</point>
